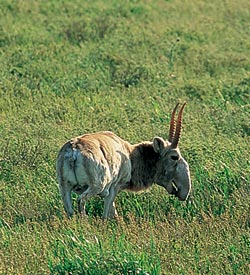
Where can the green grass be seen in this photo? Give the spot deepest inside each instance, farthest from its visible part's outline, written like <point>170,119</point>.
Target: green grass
<point>72,67</point>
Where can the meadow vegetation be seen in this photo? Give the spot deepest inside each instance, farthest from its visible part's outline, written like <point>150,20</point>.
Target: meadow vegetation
<point>71,67</point>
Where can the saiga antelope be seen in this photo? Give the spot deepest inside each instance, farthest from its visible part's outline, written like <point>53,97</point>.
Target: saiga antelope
<point>104,164</point>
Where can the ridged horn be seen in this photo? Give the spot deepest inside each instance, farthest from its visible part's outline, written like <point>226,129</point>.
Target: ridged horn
<point>172,124</point>
<point>177,134</point>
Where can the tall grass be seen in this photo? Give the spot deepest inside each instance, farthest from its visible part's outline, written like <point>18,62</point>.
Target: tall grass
<point>71,67</point>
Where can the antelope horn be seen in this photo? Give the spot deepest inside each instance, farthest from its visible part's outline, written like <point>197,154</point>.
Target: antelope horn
<point>177,134</point>
<point>172,124</point>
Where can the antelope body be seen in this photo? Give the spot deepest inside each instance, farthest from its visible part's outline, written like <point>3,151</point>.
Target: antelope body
<point>104,164</point>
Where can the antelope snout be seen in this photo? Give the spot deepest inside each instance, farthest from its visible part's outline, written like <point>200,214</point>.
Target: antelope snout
<point>179,192</point>
<point>182,196</point>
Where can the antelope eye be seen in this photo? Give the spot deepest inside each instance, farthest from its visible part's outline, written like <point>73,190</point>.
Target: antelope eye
<point>78,189</point>
<point>174,157</point>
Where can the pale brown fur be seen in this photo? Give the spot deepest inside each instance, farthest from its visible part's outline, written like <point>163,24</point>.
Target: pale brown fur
<point>104,164</point>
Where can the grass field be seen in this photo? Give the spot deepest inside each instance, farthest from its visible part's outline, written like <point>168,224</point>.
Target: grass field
<point>72,67</point>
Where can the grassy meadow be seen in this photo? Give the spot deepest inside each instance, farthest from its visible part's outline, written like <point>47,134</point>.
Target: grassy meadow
<point>72,67</point>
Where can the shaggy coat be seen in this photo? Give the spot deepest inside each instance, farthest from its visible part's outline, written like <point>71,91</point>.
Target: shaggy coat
<point>104,164</point>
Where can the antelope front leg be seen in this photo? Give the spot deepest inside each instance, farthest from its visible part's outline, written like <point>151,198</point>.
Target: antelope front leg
<point>109,204</point>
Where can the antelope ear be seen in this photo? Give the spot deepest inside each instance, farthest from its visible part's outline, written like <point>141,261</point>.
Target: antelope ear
<point>158,144</point>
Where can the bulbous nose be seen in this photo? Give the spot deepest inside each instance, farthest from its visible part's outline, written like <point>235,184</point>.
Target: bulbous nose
<point>182,180</point>
<point>182,197</point>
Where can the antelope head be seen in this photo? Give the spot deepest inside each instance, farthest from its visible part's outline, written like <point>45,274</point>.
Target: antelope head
<point>172,171</point>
